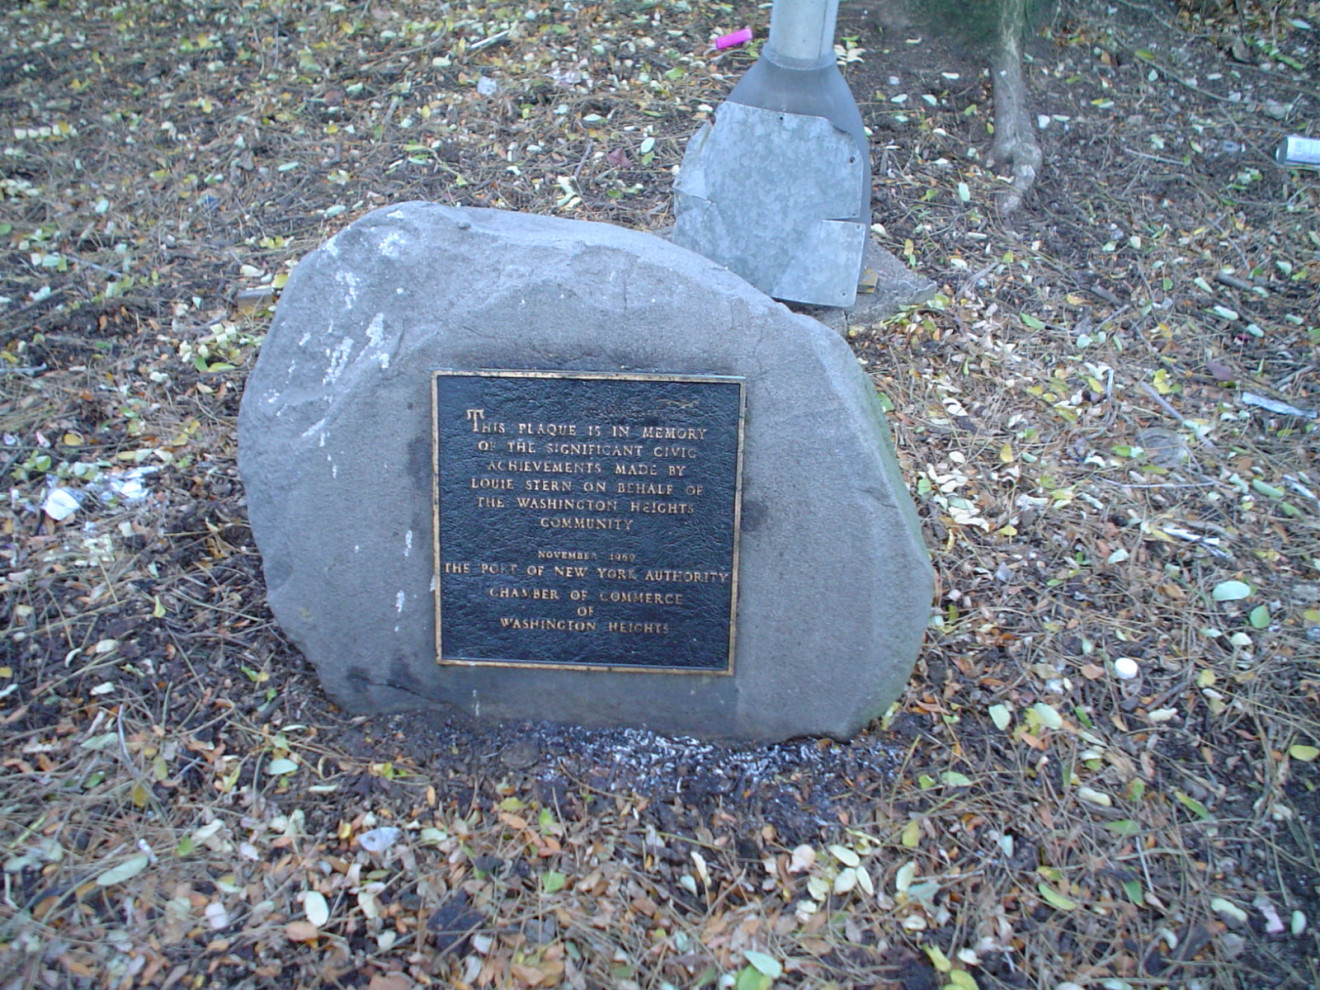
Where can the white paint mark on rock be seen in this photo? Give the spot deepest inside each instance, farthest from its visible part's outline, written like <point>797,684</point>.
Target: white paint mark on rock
<point>407,543</point>
<point>307,433</point>
<point>349,281</point>
<point>376,335</point>
<point>332,246</point>
<point>398,602</point>
<point>338,361</point>
<point>389,247</point>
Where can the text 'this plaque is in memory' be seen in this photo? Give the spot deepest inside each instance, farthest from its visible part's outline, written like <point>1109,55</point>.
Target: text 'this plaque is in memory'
<point>587,520</point>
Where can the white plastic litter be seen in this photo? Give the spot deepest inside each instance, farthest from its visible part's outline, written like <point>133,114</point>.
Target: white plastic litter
<point>379,839</point>
<point>61,503</point>
<point>1275,406</point>
<point>123,486</point>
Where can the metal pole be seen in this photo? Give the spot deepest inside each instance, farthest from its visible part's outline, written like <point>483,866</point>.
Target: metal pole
<point>803,30</point>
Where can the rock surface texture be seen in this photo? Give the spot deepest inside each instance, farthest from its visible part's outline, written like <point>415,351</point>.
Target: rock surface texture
<point>835,583</point>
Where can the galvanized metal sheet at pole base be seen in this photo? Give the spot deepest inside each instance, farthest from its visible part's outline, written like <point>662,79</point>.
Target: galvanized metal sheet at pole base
<point>777,187</point>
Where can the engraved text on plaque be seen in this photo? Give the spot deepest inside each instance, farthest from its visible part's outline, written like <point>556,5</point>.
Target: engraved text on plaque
<point>587,520</point>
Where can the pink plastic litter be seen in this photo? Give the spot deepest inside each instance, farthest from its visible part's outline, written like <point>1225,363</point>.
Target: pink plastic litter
<point>731,40</point>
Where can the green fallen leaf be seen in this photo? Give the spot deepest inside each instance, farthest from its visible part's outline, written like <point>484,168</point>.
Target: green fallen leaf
<point>1000,715</point>
<point>1231,591</point>
<point>1032,322</point>
<point>1055,899</point>
<point>1267,490</point>
<point>911,834</point>
<point>844,855</point>
<point>1300,751</point>
<point>1049,717</point>
<point>1124,826</point>
<point>752,978</point>
<point>938,959</point>
<point>1134,893</point>
<point>1259,617</point>
<point>552,881</point>
<point>1192,805</point>
<point>960,979</point>
<point>953,778</point>
<point>126,870</point>
<point>277,768</point>
<point>764,964</point>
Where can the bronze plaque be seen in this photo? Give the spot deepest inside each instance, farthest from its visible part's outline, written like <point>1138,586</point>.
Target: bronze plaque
<point>587,520</point>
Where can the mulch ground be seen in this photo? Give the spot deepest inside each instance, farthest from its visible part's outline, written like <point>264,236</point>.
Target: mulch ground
<point>1103,772</point>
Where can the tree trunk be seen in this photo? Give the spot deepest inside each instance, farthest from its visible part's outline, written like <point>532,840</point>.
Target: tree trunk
<point>1015,137</point>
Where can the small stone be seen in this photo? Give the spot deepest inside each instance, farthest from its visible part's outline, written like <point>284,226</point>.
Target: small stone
<point>1164,447</point>
<point>1229,911</point>
<point>1126,668</point>
<point>1275,110</point>
<point>520,755</point>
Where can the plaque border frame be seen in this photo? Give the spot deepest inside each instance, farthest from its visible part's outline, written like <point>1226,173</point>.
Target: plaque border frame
<point>741,382</point>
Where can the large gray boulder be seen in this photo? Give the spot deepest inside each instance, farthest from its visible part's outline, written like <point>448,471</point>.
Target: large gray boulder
<point>335,452</point>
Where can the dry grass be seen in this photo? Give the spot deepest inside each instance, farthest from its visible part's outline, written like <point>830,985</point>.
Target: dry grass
<point>180,807</point>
